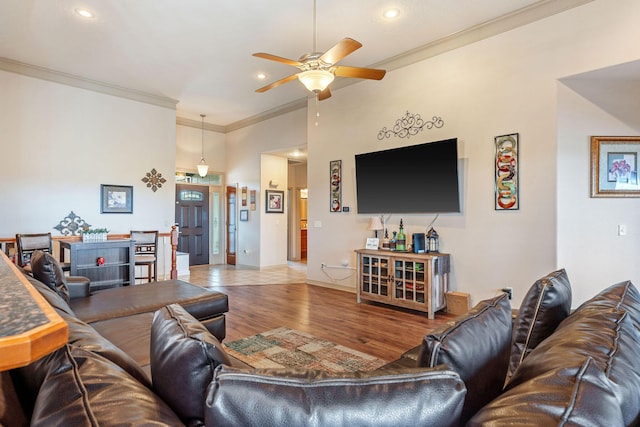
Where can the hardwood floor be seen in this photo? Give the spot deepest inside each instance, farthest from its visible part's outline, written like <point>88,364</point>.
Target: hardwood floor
<point>381,331</point>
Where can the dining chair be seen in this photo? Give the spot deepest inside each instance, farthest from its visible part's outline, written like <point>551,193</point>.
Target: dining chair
<point>146,252</point>
<point>26,244</point>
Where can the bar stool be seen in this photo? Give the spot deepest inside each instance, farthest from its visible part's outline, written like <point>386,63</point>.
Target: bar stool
<point>26,244</point>
<point>146,252</point>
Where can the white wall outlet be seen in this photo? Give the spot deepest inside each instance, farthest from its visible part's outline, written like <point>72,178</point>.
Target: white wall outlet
<point>622,230</point>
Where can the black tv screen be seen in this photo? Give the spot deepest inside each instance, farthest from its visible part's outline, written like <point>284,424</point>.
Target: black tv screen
<point>419,178</point>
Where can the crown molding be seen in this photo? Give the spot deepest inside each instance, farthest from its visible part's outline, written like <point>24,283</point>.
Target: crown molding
<point>182,121</point>
<point>84,83</point>
<point>502,24</point>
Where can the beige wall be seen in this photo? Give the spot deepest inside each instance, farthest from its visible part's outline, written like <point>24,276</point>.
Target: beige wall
<point>59,143</point>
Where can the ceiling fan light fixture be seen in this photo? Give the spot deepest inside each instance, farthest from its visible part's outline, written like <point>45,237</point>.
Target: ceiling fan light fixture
<point>316,80</point>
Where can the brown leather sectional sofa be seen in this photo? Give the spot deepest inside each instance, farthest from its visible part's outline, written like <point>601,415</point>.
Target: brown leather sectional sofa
<point>545,367</point>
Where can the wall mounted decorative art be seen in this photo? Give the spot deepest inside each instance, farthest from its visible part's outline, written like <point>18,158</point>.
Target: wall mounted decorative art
<point>507,195</point>
<point>116,198</point>
<point>154,180</point>
<point>614,166</point>
<point>243,198</point>
<point>335,185</point>
<point>409,125</point>
<point>244,215</point>
<point>252,200</point>
<point>71,225</point>
<point>274,202</point>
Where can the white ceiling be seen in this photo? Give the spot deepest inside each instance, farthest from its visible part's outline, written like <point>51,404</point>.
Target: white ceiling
<point>198,52</point>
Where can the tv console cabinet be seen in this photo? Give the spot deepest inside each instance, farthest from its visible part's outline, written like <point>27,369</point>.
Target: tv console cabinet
<point>404,279</point>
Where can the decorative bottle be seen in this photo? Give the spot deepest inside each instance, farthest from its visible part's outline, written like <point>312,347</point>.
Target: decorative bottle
<point>385,241</point>
<point>392,243</point>
<point>401,240</point>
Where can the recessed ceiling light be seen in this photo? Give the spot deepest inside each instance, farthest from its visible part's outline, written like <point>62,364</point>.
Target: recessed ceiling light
<point>391,13</point>
<point>84,13</point>
<point>261,76</point>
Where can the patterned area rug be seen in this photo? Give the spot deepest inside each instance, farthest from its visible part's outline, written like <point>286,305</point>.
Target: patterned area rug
<point>288,348</point>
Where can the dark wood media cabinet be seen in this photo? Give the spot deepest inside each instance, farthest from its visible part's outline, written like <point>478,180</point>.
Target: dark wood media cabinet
<point>118,268</point>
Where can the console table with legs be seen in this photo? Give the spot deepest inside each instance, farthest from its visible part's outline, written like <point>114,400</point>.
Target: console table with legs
<point>404,279</point>
<point>107,264</point>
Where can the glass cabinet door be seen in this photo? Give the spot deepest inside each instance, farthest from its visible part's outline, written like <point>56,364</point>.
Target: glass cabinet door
<point>375,275</point>
<point>409,280</point>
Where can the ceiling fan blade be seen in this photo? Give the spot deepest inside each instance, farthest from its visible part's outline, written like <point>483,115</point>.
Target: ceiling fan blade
<point>359,72</point>
<point>324,94</point>
<point>340,50</point>
<point>277,83</point>
<point>277,59</point>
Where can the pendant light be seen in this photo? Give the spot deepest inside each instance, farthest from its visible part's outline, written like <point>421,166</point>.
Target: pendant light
<point>203,168</point>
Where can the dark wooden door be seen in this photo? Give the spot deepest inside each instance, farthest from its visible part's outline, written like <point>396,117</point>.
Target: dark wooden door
<point>192,216</point>
<point>232,201</point>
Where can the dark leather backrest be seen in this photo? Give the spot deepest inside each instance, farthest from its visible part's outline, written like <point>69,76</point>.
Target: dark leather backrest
<point>183,357</point>
<point>605,329</point>
<point>476,345</point>
<point>546,304</point>
<point>47,270</point>
<point>289,397</point>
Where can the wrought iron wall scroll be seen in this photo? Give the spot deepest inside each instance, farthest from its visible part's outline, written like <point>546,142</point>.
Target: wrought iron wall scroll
<point>409,125</point>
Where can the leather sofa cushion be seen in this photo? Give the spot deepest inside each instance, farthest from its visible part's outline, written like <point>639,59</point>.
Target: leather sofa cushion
<point>85,389</point>
<point>48,271</point>
<point>149,297</point>
<point>53,297</point>
<point>609,337</point>
<point>621,296</point>
<point>476,345</point>
<point>85,336</point>
<point>289,397</point>
<point>545,305</point>
<point>11,412</point>
<point>184,356</point>
<point>578,395</point>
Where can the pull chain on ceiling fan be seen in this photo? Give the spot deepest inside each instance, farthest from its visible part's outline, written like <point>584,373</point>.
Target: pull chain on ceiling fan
<point>318,70</point>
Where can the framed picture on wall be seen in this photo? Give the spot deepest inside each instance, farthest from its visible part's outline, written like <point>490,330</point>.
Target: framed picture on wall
<point>274,201</point>
<point>244,215</point>
<point>116,198</point>
<point>614,166</point>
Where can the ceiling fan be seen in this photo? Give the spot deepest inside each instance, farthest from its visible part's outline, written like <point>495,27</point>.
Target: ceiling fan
<point>317,69</point>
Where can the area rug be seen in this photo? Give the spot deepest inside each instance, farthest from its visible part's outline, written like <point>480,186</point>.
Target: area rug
<point>288,348</point>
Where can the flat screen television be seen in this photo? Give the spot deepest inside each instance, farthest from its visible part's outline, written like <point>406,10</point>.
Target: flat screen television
<point>419,178</point>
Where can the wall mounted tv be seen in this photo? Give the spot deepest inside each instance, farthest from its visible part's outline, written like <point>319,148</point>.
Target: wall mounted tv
<point>419,178</point>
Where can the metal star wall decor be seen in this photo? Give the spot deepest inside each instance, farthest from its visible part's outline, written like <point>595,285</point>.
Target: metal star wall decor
<point>409,125</point>
<point>154,180</point>
<point>71,224</point>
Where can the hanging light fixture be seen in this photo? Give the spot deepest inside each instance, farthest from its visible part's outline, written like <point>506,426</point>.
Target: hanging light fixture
<point>203,168</point>
<point>316,80</point>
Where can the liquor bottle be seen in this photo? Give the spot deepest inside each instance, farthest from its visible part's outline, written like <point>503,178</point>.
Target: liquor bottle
<point>401,240</point>
<point>392,243</point>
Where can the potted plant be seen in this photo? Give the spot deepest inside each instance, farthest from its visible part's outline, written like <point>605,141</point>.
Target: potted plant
<point>94,234</point>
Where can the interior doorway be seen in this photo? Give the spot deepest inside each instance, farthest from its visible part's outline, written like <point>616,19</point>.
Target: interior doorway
<point>232,203</point>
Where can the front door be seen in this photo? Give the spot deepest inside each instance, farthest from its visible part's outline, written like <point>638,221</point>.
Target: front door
<point>192,216</point>
<point>231,224</point>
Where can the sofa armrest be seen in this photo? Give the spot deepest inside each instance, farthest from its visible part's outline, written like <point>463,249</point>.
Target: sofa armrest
<point>78,288</point>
